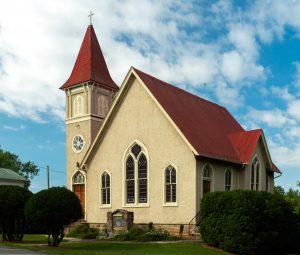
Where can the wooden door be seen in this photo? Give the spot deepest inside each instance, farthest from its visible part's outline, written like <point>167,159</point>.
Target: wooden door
<point>79,190</point>
<point>206,186</point>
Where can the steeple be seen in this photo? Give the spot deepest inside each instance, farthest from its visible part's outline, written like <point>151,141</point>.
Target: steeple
<point>90,64</point>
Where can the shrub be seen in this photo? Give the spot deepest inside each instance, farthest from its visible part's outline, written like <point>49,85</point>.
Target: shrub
<point>52,209</point>
<point>157,235</point>
<point>247,222</point>
<point>12,218</point>
<point>83,231</point>
<point>130,235</point>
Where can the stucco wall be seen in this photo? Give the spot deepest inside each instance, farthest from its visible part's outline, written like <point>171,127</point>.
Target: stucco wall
<point>218,176</point>
<point>139,118</point>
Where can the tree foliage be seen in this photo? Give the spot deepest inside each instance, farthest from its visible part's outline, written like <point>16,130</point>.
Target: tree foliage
<point>52,210</point>
<point>12,161</point>
<point>249,222</point>
<point>12,218</point>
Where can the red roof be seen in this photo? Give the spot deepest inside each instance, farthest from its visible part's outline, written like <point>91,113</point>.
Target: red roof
<point>90,64</point>
<point>245,142</point>
<point>209,127</point>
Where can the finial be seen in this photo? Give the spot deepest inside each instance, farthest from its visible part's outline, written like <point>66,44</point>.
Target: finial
<point>90,16</point>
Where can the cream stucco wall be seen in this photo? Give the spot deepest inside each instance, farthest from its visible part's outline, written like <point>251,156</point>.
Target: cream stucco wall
<point>139,118</point>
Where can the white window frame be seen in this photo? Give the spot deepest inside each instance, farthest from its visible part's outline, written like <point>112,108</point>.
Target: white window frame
<point>110,187</point>
<point>125,157</point>
<point>256,185</point>
<point>165,203</point>
<point>231,178</point>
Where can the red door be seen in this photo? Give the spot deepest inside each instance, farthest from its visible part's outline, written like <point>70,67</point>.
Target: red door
<point>79,190</point>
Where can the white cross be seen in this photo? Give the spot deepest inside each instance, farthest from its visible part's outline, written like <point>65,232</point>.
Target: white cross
<point>90,16</point>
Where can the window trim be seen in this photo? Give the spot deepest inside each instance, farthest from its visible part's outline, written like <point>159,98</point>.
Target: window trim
<point>125,156</point>
<point>255,176</point>
<point>77,106</point>
<point>169,204</point>
<point>110,187</point>
<point>212,178</point>
<point>228,169</point>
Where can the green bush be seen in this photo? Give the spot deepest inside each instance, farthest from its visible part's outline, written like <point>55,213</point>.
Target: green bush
<point>12,216</point>
<point>157,235</point>
<point>52,210</point>
<point>83,231</point>
<point>143,235</point>
<point>247,222</point>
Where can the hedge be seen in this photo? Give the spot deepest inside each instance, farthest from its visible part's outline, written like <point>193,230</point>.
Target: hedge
<point>249,222</point>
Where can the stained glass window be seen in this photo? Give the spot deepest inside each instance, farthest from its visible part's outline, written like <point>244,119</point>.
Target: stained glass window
<point>142,179</point>
<point>78,178</point>
<point>130,180</point>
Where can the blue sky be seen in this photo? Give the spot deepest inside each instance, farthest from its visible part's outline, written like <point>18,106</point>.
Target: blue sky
<point>244,55</point>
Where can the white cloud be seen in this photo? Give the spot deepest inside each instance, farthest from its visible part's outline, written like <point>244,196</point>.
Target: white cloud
<point>15,129</point>
<point>294,109</point>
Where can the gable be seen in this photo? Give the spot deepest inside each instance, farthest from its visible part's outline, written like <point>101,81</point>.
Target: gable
<point>136,116</point>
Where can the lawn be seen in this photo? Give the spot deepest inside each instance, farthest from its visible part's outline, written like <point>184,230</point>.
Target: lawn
<point>33,242</point>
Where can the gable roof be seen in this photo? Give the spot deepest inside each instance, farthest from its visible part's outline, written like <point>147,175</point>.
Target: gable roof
<point>207,127</point>
<point>90,64</point>
<point>8,174</point>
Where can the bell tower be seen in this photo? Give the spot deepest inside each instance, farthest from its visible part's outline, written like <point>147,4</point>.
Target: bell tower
<point>90,91</point>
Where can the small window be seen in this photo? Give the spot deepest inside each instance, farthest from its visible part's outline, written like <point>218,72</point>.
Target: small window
<point>78,178</point>
<point>78,106</point>
<point>206,179</point>
<point>105,188</point>
<point>170,184</point>
<point>228,176</point>
<point>255,174</point>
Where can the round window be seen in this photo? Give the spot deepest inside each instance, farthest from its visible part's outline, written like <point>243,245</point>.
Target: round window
<point>78,143</point>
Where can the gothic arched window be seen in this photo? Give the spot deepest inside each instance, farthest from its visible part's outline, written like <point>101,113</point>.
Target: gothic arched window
<point>170,184</point>
<point>228,179</point>
<point>136,176</point>
<point>206,179</point>
<point>255,174</point>
<point>105,188</point>
<point>78,178</point>
<point>78,105</point>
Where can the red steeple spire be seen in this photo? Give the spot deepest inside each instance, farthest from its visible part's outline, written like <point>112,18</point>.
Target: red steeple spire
<point>90,64</point>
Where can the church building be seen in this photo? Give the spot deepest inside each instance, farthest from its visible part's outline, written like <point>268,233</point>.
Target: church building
<point>151,148</point>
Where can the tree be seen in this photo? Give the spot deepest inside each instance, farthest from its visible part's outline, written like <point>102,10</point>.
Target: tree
<point>12,161</point>
<point>52,210</point>
<point>12,217</point>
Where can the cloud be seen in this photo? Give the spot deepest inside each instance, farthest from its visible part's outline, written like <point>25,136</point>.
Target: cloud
<point>15,129</point>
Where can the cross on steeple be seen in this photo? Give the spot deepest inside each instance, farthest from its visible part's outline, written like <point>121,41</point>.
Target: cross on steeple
<point>90,16</point>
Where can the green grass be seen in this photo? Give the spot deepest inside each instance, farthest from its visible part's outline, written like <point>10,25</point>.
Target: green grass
<point>114,248</point>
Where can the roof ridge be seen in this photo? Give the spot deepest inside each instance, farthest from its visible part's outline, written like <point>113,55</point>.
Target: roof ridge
<point>180,89</point>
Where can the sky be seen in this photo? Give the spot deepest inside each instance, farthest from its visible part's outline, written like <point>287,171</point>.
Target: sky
<point>244,55</point>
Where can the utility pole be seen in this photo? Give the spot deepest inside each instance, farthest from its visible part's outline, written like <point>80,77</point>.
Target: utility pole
<point>48,177</point>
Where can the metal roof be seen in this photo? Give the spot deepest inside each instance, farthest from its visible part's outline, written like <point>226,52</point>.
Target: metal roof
<point>8,174</point>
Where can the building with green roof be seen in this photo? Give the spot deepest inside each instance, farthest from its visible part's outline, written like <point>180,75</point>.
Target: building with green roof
<point>10,177</point>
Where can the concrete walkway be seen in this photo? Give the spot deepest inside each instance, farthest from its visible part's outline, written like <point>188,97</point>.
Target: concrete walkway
<point>11,251</point>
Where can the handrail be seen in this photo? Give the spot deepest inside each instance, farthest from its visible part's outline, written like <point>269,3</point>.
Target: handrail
<point>196,222</point>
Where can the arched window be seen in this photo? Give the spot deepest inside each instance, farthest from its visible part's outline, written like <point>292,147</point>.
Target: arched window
<point>78,178</point>
<point>105,188</point>
<point>206,179</point>
<point>78,106</point>
<point>102,105</point>
<point>255,174</point>
<point>228,178</point>
<point>136,176</point>
<point>170,184</point>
